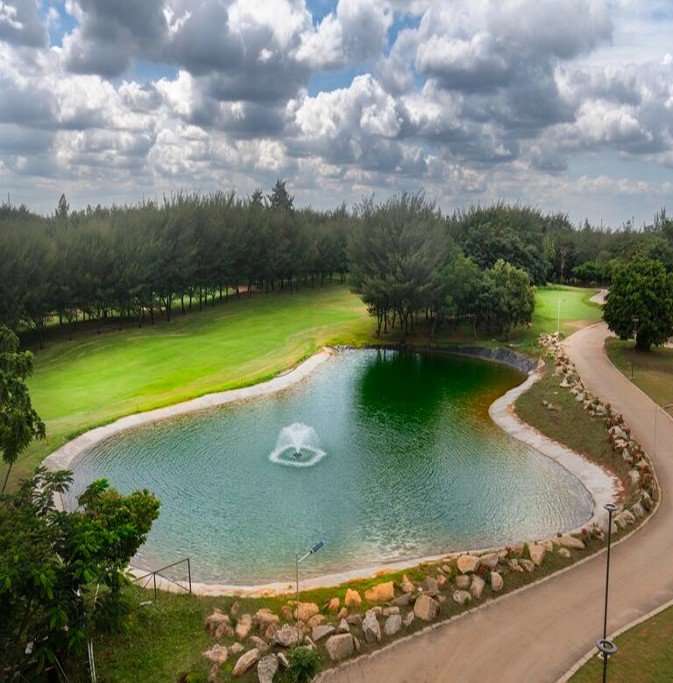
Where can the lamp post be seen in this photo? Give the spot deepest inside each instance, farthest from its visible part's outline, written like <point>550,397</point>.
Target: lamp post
<point>635,335</point>
<point>558,315</point>
<point>314,549</point>
<point>665,408</point>
<point>607,647</point>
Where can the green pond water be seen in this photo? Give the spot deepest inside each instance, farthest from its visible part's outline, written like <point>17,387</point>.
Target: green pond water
<point>397,460</point>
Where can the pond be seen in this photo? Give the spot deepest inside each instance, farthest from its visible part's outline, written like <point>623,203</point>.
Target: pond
<point>387,456</point>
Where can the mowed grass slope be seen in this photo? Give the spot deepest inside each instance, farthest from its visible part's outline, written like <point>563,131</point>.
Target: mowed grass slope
<point>97,378</point>
<point>573,305</point>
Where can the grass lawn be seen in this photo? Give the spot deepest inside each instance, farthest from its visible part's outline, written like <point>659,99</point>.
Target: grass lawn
<point>570,304</point>
<point>644,654</point>
<point>652,370</point>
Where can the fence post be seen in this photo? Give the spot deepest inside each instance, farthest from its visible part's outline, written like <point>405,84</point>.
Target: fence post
<point>189,575</point>
<point>154,578</point>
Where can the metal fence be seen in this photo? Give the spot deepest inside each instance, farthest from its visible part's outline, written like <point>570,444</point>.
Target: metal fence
<point>150,579</point>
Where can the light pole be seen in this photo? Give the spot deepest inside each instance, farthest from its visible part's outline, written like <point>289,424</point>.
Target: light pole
<point>558,315</point>
<point>665,408</point>
<point>314,549</point>
<point>607,647</point>
<point>635,335</point>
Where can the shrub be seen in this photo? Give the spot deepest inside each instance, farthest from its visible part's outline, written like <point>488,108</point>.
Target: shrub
<point>304,664</point>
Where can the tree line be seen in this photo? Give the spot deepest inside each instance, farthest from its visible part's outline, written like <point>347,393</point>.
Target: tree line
<point>405,258</point>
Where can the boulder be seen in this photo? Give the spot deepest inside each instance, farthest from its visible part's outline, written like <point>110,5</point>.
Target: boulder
<point>426,608</point>
<point>334,605</point>
<point>638,510</point>
<point>462,582</point>
<point>267,668</point>
<point>537,553</point>
<point>490,561</point>
<point>224,630</point>
<point>306,611</point>
<point>344,627</point>
<point>271,631</point>
<point>259,643</point>
<point>442,582</point>
<point>235,648</point>
<point>462,597</point>
<point>514,565</point>
<point>477,587</point>
<point>217,654</point>
<point>408,619</point>
<point>243,626</point>
<point>403,600</point>
<point>233,610</point>
<point>316,620</point>
<point>446,569</point>
<point>263,617</point>
<point>354,619</point>
<point>283,660</point>
<point>214,620</point>
<point>371,628</point>
<point>352,599</point>
<point>564,552</point>
<point>497,584</point>
<point>287,636</point>
<point>384,592</point>
<point>569,542</point>
<point>343,613</point>
<point>387,611</point>
<point>393,624</point>
<point>406,585</point>
<point>628,517</point>
<point>634,477</point>
<point>646,500</point>
<point>245,663</point>
<point>339,647</point>
<point>528,565</point>
<point>214,674</point>
<point>286,613</point>
<point>467,564</point>
<point>320,632</point>
<point>431,585</point>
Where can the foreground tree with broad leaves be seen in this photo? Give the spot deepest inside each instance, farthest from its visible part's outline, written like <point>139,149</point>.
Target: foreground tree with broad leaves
<point>62,573</point>
<point>641,302</point>
<point>19,423</point>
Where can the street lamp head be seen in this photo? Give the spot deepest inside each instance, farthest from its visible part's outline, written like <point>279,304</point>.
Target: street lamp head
<point>610,507</point>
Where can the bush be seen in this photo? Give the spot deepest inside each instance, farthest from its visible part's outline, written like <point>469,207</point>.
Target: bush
<point>304,664</point>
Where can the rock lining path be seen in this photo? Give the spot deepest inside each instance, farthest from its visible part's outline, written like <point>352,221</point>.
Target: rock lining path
<point>538,633</point>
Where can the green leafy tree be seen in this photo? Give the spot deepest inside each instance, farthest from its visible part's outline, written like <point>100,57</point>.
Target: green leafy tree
<point>62,573</point>
<point>641,300</point>
<point>19,423</point>
<point>508,299</point>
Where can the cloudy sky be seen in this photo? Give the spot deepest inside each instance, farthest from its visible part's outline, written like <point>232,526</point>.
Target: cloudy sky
<point>563,104</point>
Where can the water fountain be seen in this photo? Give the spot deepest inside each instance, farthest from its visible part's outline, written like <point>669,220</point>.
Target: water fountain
<point>297,446</point>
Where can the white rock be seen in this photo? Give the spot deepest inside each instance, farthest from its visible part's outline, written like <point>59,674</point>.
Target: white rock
<point>393,624</point>
<point>339,647</point>
<point>497,584</point>
<point>477,587</point>
<point>371,628</point>
<point>245,663</point>
<point>462,597</point>
<point>267,668</point>
<point>426,608</point>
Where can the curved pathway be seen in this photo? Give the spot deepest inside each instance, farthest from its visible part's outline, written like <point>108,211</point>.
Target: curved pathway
<point>537,634</point>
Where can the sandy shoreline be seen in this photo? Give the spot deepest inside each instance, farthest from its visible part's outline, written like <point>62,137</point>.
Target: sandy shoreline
<point>602,487</point>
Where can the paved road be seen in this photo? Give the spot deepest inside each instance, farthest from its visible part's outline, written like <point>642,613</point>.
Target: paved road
<point>539,633</point>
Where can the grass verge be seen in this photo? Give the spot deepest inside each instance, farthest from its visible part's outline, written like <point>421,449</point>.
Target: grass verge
<point>644,654</point>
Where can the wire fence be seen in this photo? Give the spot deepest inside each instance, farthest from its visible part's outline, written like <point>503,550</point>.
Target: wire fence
<point>162,578</point>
